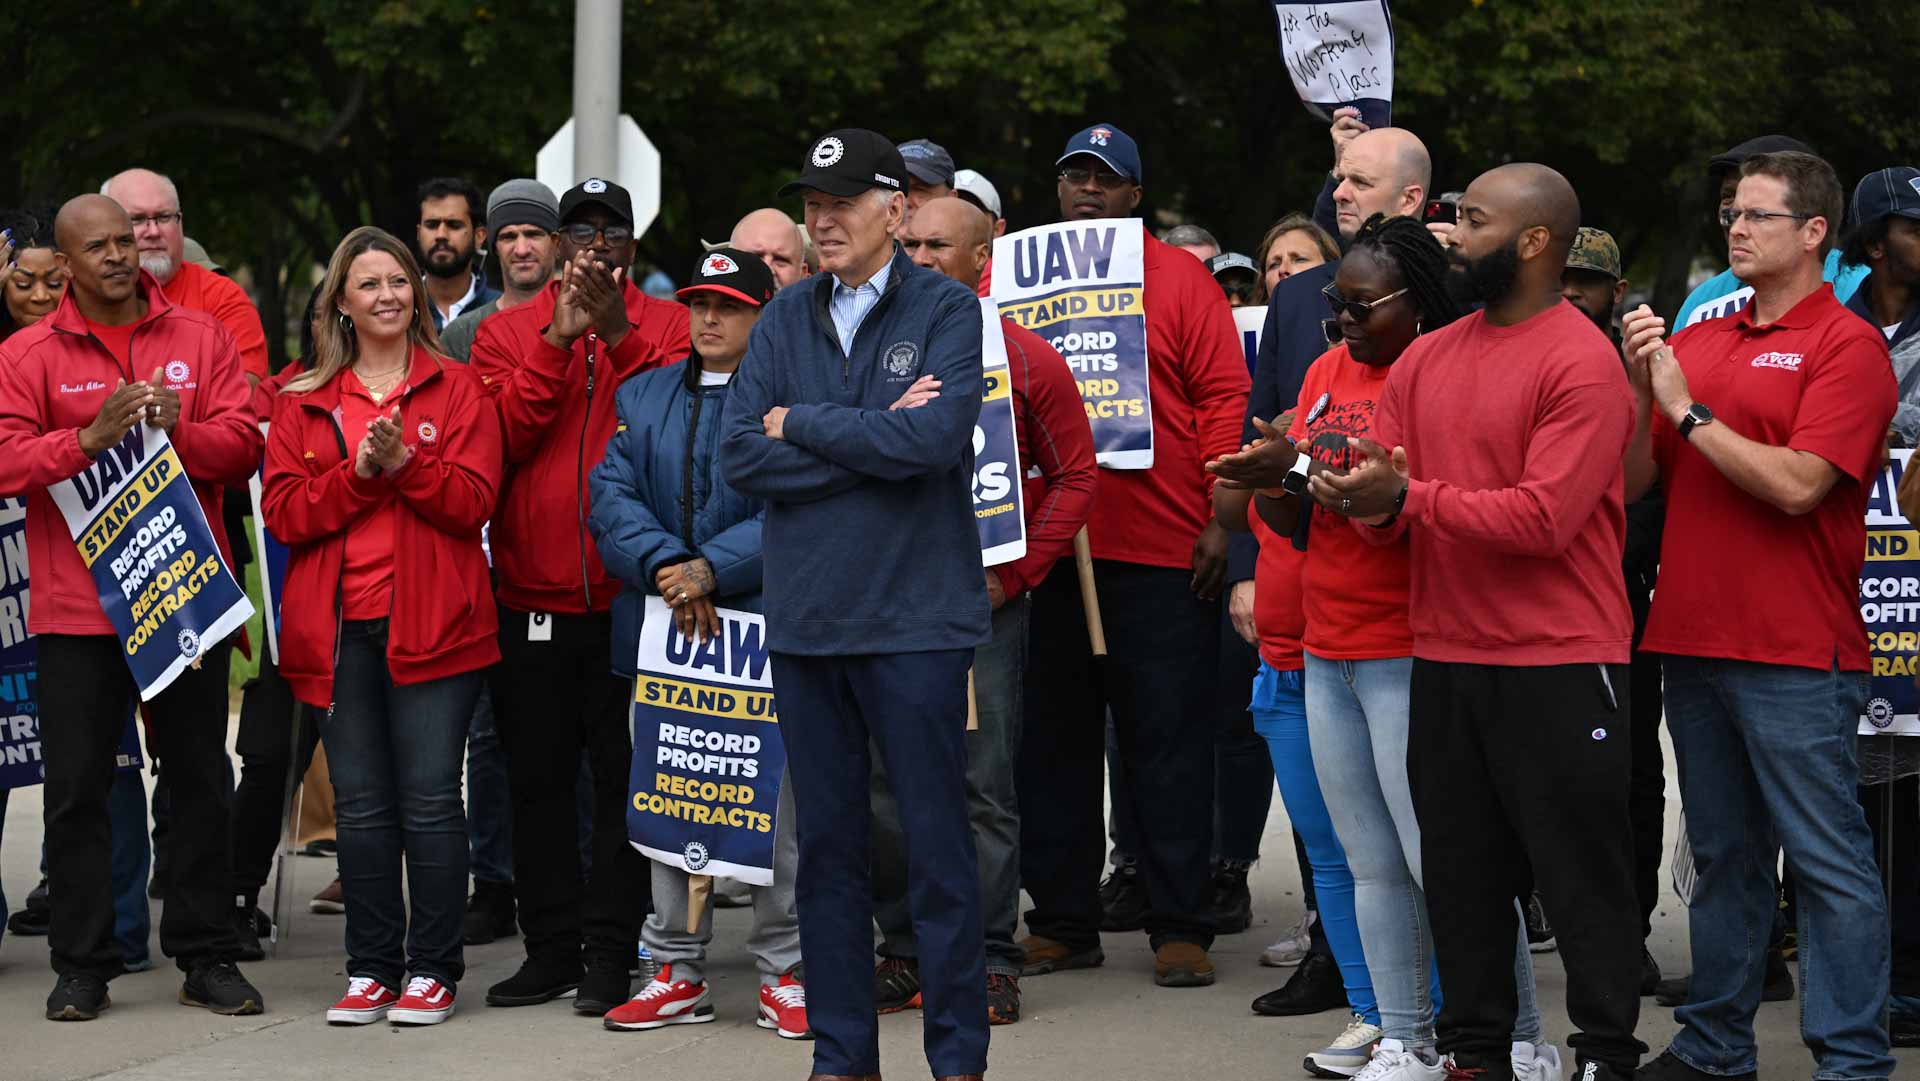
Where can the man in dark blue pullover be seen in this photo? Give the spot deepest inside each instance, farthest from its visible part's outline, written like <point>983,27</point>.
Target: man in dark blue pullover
<point>873,591</point>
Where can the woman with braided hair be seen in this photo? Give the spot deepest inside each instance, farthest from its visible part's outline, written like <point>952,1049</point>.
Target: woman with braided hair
<point>1390,288</point>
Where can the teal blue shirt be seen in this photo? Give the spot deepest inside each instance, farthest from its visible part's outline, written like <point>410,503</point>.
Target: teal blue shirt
<point>1724,294</point>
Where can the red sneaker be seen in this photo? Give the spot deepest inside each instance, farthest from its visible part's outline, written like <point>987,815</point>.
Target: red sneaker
<point>427,1002</point>
<point>783,1008</point>
<point>367,1000</point>
<point>663,1001</point>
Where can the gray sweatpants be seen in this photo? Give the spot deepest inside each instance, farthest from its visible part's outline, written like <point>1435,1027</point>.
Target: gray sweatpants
<point>775,941</point>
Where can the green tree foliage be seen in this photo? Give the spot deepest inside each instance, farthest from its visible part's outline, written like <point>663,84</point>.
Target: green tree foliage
<point>288,123</point>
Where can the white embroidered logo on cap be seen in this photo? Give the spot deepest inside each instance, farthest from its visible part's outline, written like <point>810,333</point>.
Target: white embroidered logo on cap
<point>887,180</point>
<point>428,433</point>
<point>594,186</point>
<point>1099,136</point>
<point>827,151</point>
<point>716,265</point>
<point>177,371</point>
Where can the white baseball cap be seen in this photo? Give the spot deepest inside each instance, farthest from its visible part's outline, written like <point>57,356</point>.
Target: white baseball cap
<point>978,189</point>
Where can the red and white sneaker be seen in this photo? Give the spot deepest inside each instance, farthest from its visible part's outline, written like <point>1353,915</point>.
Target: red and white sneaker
<point>427,1002</point>
<point>783,1008</point>
<point>663,1001</point>
<point>367,1000</point>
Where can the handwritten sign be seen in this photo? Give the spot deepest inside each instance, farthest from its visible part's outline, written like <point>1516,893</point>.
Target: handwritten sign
<point>1081,285</point>
<point>1340,53</point>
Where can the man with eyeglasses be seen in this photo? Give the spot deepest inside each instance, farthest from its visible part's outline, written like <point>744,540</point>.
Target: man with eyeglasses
<point>1767,427</point>
<point>159,227</point>
<point>553,365</point>
<point>1725,293</point>
<point>1161,564</point>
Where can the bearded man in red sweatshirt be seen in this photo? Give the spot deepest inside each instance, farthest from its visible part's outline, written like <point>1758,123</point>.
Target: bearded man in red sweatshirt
<point>1507,430</point>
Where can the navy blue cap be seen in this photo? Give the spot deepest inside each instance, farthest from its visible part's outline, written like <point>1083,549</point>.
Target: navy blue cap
<point>1887,193</point>
<point>928,161</point>
<point>1109,144</point>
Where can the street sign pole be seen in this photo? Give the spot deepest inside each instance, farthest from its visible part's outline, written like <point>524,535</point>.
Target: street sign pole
<point>596,89</point>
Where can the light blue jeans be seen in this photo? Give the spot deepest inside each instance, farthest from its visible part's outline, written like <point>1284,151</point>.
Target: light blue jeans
<point>1357,718</point>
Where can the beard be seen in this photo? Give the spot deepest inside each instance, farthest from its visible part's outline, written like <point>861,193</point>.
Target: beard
<point>1492,276</point>
<point>159,264</point>
<point>444,262</point>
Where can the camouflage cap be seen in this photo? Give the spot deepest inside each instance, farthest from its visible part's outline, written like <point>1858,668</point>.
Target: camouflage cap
<point>1594,249</point>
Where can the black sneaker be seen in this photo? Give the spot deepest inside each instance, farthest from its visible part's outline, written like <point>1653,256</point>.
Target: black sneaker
<point>1123,900</point>
<point>219,986</point>
<point>33,920</point>
<point>1591,1069</point>
<point>602,988</point>
<point>1668,1067</point>
<point>1649,973</point>
<point>1232,901</point>
<point>246,931</point>
<point>1539,932</point>
<point>77,997</point>
<point>533,984</point>
<point>896,985</point>
<point>1003,999</point>
<point>491,914</point>
<point>1314,987</point>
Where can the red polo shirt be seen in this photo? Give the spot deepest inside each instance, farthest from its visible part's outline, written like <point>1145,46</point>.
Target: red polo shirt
<point>1740,579</point>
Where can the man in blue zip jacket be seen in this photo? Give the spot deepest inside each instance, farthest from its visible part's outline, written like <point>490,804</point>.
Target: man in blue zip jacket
<point>873,592</point>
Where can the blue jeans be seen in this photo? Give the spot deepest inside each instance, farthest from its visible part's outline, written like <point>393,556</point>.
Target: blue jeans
<point>1767,760</point>
<point>1357,714</point>
<point>394,754</point>
<point>1280,716</point>
<point>489,802</point>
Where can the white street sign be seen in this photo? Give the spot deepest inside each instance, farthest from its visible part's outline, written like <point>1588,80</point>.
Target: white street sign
<point>639,170</point>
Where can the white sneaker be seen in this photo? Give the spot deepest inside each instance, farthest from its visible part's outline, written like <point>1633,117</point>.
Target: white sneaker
<point>1535,1061</point>
<point>1348,1053</point>
<point>1294,944</point>
<point>1393,1062</point>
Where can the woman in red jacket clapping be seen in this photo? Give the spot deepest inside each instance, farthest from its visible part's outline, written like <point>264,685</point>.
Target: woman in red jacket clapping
<point>383,463</point>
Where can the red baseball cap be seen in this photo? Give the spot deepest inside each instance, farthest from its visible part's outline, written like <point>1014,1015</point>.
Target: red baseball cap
<point>731,272</point>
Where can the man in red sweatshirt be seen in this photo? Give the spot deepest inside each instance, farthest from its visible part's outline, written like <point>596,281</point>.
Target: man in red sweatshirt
<point>553,365</point>
<point>1507,429</point>
<point>115,353</point>
<point>1161,564</point>
<point>951,236</point>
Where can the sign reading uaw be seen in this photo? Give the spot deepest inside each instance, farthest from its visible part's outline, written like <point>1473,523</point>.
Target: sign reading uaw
<point>1890,607</point>
<point>707,755</point>
<point>158,570</point>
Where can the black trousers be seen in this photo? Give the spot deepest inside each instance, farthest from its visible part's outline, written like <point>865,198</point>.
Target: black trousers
<point>1158,679</point>
<point>271,753</point>
<point>1893,813</point>
<point>551,699</point>
<point>1647,796</point>
<point>85,690</point>
<point>1520,777</point>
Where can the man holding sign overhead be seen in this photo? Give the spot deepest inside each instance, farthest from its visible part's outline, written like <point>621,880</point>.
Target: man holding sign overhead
<point>75,390</point>
<point>874,595</point>
<point>1163,380</point>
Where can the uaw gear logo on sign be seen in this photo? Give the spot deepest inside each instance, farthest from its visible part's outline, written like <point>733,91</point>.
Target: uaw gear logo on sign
<point>1880,713</point>
<point>189,644</point>
<point>177,371</point>
<point>694,856</point>
<point>1099,136</point>
<point>594,186</point>
<point>901,359</point>
<point>716,265</point>
<point>827,151</point>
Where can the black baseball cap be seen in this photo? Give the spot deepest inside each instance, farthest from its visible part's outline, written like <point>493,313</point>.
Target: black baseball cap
<point>849,161</point>
<point>1730,159</point>
<point>600,192</point>
<point>731,272</point>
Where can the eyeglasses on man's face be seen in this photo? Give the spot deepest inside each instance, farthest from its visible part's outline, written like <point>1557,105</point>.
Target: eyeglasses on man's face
<point>166,219</point>
<point>582,232</point>
<point>1756,218</point>
<point>1106,178</point>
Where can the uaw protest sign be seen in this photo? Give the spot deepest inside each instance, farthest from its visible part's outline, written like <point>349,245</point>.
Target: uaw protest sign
<point>997,494</point>
<point>1081,285</point>
<point>1890,607</point>
<point>159,573</point>
<point>707,754</point>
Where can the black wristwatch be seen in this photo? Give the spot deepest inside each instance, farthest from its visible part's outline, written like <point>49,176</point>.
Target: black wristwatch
<point>1399,504</point>
<point>1295,482</point>
<point>1697,415</point>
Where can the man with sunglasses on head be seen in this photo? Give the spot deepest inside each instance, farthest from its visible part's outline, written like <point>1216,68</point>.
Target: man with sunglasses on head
<point>1767,428</point>
<point>1161,562</point>
<point>553,365</point>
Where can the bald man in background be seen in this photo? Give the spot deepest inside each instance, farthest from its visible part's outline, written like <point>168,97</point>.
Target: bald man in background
<point>782,245</point>
<point>1500,439</point>
<point>153,203</point>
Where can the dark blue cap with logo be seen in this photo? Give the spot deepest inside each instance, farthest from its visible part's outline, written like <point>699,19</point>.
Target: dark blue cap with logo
<point>1884,194</point>
<point>1109,144</point>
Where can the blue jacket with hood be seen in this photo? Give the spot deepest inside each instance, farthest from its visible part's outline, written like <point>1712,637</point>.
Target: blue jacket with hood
<point>871,541</point>
<point>659,499</point>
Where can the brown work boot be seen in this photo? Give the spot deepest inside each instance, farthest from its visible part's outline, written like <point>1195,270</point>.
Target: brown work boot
<point>1182,964</point>
<point>1044,955</point>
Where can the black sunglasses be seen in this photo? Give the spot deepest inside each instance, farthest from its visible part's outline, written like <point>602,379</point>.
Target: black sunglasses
<point>582,233</point>
<point>1361,310</point>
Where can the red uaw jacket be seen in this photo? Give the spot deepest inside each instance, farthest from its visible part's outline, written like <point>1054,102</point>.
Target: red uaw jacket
<point>443,621</point>
<point>556,415</point>
<point>55,375</point>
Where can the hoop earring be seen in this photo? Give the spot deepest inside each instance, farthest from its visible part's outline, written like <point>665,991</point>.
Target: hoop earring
<point>346,324</point>
<point>1419,327</point>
